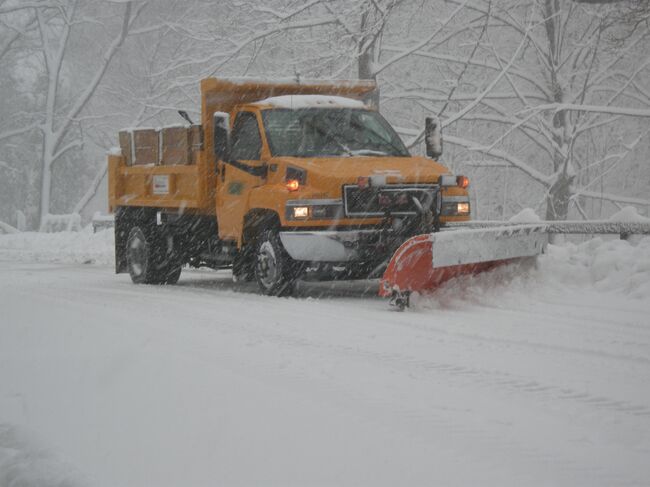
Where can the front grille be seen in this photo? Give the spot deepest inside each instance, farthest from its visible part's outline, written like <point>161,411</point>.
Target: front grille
<point>375,201</point>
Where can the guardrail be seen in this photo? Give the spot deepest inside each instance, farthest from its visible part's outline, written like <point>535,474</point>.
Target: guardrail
<point>102,222</point>
<point>587,227</point>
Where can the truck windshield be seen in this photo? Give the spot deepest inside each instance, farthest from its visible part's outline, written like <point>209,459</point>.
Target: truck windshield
<point>323,132</point>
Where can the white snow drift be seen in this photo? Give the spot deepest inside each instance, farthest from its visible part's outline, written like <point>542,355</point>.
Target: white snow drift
<point>83,247</point>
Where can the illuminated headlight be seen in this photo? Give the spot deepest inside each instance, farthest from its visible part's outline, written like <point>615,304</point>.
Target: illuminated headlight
<point>300,212</point>
<point>316,209</point>
<point>454,208</point>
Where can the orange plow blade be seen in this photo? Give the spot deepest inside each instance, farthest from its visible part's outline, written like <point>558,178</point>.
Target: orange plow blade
<point>424,262</point>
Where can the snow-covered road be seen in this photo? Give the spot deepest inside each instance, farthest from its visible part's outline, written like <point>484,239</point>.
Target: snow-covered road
<point>503,381</point>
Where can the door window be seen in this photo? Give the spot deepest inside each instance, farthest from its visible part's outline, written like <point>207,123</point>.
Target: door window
<point>246,141</point>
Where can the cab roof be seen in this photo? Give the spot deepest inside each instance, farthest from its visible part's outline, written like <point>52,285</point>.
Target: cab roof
<point>296,102</point>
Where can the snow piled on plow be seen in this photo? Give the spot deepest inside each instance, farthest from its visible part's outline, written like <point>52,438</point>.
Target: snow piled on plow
<point>604,265</point>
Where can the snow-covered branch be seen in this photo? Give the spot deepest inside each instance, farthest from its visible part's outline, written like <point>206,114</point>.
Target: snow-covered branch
<point>92,189</point>
<point>558,107</point>
<point>611,197</point>
<point>23,5</point>
<point>500,154</point>
<point>420,45</point>
<point>83,98</point>
<point>19,131</point>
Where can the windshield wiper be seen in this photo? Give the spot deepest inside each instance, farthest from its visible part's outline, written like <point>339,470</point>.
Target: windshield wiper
<point>379,139</point>
<point>368,152</point>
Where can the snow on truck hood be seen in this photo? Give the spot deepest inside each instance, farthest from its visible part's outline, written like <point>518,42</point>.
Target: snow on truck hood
<point>296,102</point>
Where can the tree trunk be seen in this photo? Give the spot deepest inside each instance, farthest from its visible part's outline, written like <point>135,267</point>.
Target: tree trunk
<point>46,182</point>
<point>557,201</point>
<point>366,64</point>
<point>559,194</point>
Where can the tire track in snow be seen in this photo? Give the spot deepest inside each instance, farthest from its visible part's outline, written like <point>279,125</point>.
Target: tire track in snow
<point>456,375</point>
<point>401,413</point>
<point>640,410</point>
<point>535,345</point>
<point>497,379</point>
<point>500,379</point>
<point>642,332</point>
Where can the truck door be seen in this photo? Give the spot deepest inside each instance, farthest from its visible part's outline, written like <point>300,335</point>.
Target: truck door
<point>238,176</point>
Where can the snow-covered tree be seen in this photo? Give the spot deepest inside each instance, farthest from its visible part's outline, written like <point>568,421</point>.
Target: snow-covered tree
<point>68,47</point>
<point>536,88</point>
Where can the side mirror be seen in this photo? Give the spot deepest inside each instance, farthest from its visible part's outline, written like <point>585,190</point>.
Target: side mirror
<point>433,137</point>
<point>221,135</point>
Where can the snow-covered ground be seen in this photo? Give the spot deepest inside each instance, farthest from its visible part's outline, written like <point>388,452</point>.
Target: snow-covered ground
<point>517,377</point>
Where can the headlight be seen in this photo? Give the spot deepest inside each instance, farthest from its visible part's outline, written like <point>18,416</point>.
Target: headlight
<point>300,212</point>
<point>454,206</point>
<point>325,209</point>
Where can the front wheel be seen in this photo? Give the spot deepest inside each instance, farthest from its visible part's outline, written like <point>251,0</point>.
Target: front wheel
<point>275,271</point>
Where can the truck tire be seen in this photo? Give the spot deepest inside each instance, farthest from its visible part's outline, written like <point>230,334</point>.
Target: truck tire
<point>243,266</point>
<point>275,271</point>
<point>148,259</point>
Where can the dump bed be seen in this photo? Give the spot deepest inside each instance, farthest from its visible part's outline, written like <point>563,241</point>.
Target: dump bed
<point>162,167</point>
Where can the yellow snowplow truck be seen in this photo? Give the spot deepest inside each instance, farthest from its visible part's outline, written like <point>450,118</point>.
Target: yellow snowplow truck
<point>280,179</point>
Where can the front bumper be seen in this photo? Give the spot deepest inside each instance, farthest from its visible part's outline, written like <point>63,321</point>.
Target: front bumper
<point>329,246</point>
<point>365,245</point>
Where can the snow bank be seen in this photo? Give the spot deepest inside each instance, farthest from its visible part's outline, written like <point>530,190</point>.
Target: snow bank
<point>23,464</point>
<point>629,214</point>
<point>608,265</point>
<point>614,267</point>
<point>6,228</point>
<point>527,215</point>
<point>296,102</point>
<point>84,247</point>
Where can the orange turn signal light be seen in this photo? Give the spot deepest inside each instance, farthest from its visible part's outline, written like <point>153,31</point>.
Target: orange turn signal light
<point>293,185</point>
<point>462,181</point>
<point>363,182</point>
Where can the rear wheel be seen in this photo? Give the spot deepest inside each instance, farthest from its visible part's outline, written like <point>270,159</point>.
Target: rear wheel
<point>275,271</point>
<point>151,258</point>
<point>243,266</point>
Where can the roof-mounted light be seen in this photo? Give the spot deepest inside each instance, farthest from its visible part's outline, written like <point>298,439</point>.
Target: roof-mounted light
<point>462,181</point>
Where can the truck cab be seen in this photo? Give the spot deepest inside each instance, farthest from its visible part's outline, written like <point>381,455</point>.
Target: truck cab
<point>308,180</point>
